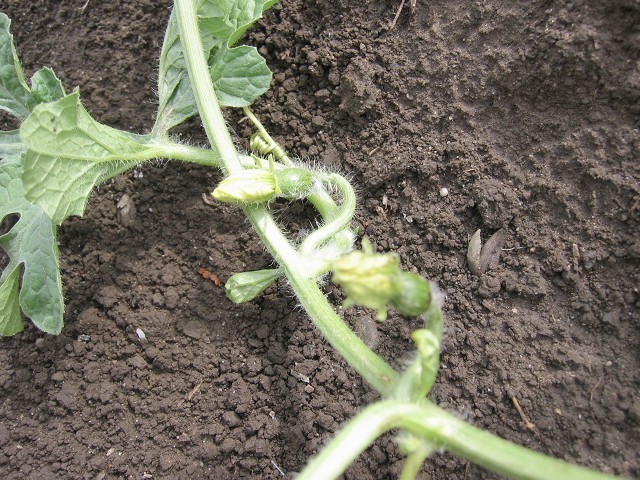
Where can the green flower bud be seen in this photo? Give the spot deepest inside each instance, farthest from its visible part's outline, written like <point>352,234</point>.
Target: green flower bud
<point>294,182</point>
<point>414,295</point>
<point>368,279</point>
<point>245,286</point>
<point>248,186</point>
<point>259,185</point>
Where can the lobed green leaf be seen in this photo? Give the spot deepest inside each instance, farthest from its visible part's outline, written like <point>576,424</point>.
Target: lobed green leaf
<point>69,153</point>
<point>10,317</point>
<point>31,246</point>
<point>30,282</point>
<point>62,186</point>
<point>230,19</point>
<point>15,96</point>
<point>65,129</point>
<point>11,146</point>
<point>46,87</point>
<point>240,74</point>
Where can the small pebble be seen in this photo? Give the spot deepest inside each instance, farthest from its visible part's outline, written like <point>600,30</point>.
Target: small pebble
<point>444,191</point>
<point>141,334</point>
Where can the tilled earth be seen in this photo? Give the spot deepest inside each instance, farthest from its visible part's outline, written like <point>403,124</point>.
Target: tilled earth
<point>527,113</point>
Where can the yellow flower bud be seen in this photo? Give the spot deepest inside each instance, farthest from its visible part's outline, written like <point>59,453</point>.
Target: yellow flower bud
<point>248,186</point>
<point>368,279</point>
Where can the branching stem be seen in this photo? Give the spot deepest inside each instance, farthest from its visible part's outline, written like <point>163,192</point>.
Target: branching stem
<point>369,365</point>
<point>443,430</point>
<point>320,199</point>
<point>423,419</point>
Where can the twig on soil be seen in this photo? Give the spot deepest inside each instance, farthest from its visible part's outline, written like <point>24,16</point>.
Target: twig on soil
<point>194,390</point>
<point>575,256</point>
<point>210,276</point>
<point>395,19</point>
<point>300,376</point>
<point>524,418</point>
<point>374,151</point>
<point>191,393</point>
<point>278,468</point>
<point>593,389</point>
<point>207,200</point>
<point>86,4</point>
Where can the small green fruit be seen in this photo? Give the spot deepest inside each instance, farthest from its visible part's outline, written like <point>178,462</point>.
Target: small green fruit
<point>414,295</point>
<point>294,182</point>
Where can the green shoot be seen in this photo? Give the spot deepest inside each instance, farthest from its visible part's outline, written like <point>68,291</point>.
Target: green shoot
<point>50,167</point>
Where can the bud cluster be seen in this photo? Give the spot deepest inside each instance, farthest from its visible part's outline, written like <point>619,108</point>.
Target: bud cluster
<point>375,280</point>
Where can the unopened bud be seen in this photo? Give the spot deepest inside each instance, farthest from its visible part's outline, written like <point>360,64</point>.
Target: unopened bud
<point>248,186</point>
<point>258,185</point>
<point>245,286</point>
<point>368,279</point>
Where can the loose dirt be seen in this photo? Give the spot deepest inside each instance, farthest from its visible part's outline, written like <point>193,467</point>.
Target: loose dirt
<point>528,114</point>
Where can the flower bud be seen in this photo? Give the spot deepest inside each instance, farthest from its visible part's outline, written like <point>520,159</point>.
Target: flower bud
<point>368,279</point>
<point>414,295</point>
<point>245,286</point>
<point>294,182</point>
<point>248,186</point>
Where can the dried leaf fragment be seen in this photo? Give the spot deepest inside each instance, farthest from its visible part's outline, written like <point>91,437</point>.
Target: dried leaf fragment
<point>480,257</point>
<point>473,254</point>
<point>126,210</point>
<point>210,276</point>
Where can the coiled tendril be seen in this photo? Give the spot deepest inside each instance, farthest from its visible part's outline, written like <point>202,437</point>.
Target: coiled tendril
<point>265,146</point>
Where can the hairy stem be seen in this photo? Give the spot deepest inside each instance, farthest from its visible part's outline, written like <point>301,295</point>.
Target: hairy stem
<point>369,365</point>
<point>414,462</point>
<point>443,430</point>
<point>337,224</point>
<point>426,419</point>
<point>201,156</point>
<point>206,99</point>
<point>375,371</point>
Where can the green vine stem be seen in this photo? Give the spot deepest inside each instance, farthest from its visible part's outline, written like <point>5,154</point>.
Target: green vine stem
<point>425,419</point>
<point>443,430</point>
<point>434,323</point>
<point>370,366</point>
<point>200,156</point>
<point>206,99</point>
<point>339,225</point>
<point>414,461</point>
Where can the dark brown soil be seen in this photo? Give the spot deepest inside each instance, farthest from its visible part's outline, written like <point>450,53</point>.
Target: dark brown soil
<point>527,112</point>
